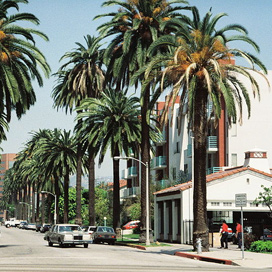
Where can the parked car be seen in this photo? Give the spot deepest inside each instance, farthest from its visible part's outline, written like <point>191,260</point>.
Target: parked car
<point>67,234</point>
<point>104,234</point>
<point>45,227</point>
<point>89,229</point>
<point>267,235</point>
<point>131,225</point>
<point>22,224</point>
<point>38,227</point>
<point>31,226</point>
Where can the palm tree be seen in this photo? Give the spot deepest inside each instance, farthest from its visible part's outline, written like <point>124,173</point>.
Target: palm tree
<point>58,155</point>
<point>111,122</point>
<point>134,27</point>
<point>84,79</point>
<point>200,67</point>
<point>20,60</point>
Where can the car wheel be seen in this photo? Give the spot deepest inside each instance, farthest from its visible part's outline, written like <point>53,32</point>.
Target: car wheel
<point>50,243</point>
<point>86,245</point>
<point>7,225</point>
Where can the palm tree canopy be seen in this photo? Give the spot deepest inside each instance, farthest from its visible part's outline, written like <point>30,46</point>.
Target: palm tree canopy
<point>200,56</point>
<point>81,76</point>
<point>134,27</point>
<point>20,60</point>
<point>110,121</point>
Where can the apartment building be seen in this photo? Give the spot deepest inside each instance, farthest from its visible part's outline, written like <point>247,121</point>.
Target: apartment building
<point>7,161</point>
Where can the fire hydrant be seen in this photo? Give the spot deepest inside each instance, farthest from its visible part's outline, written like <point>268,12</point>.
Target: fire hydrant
<point>198,246</point>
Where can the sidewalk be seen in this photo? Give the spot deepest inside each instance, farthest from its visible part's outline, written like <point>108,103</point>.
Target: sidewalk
<point>231,256</point>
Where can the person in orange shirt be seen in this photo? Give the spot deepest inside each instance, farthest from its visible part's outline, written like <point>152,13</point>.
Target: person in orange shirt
<point>239,234</point>
<point>225,233</point>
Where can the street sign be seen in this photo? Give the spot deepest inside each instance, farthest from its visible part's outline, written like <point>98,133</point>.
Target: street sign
<point>240,200</point>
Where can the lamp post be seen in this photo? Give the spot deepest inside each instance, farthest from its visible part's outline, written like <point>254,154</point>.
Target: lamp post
<point>147,193</point>
<point>28,212</point>
<point>55,209</point>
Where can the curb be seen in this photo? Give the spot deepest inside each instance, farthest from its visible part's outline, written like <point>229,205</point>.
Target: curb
<point>204,258</point>
<point>131,245</point>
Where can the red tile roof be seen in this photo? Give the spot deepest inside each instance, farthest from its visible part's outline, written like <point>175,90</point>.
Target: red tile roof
<point>218,175</point>
<point>123,183</point>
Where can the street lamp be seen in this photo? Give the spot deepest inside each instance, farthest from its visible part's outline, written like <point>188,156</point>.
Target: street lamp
<point>55,210</point>
<point>28,213</point>
<point>147,193</point>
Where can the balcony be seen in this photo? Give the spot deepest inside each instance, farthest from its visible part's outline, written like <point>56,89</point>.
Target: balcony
<point>131,192</point>
<point>212,144</point>
<point>163,183</point>
<point>159,162</point>
<point>124,174</point>
<point>132,172</point>
<point>189,151</point>
<point>162,139</point>
<point>214,170</point>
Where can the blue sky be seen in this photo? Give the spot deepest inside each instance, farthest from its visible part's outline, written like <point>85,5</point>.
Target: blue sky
<point>68,21</point>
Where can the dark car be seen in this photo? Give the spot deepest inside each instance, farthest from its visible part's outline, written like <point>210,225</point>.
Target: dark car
<point>44,228</point>
<point>38,227</point>
<point>104,234</point>
<point>267,235</point>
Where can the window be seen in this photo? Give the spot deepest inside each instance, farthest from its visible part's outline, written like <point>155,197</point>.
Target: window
<point>174,174</point>
<point>177,149</point>
<point>215,203</point>
<point>227,204</point>
<point>234,129</point>
<point>233,159</point>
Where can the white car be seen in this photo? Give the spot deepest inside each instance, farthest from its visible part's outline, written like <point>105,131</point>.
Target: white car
<point>67,234</point>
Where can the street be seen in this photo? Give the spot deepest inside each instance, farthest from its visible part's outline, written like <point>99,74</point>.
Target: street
<point>25,250</point>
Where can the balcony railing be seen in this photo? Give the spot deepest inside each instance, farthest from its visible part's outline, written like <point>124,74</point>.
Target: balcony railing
<point>214,170</point>
<point>163,183</point>
<point>132,172</point>
<point>162,139</point>
<point>159,162</point>
<point>131,192</point>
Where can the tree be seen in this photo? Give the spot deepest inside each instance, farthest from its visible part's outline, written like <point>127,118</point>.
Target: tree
<point>199,67</point>
<point>111,121</point>
<point>265,198</point>
<point>20,60</point>
<point>81,77</point>
<point>134,27</point>
<point>58,154</point>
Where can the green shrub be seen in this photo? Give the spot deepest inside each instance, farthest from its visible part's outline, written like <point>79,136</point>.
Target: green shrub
<point>261,246</point>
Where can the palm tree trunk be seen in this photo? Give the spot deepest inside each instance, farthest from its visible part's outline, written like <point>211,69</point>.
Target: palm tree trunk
<point>57,193</point>
<point>91,189</point>
<point>43,209</point>
<point>78,185</point>
<point>33,203</point>
<point>200,150</point>
<point>116,193</point>
<point>38,204</point>
<point>66,198</point>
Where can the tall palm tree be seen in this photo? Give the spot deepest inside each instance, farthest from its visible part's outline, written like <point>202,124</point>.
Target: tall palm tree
<point>58,155</point>
<point>111,122</point>
<point>80,77</point>
<point>200,67</point>
<point>20,60</point>
<point>133,28</point>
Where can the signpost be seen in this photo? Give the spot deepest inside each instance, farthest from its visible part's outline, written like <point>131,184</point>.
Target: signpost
<point>241,201</point>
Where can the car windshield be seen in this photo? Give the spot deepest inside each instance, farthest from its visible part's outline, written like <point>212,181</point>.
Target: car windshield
<point>105,229</point>
<point>68,228</point>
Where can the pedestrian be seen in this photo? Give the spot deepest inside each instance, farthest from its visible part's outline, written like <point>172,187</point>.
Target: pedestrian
<point>239,234</point>
<point>224,235</point>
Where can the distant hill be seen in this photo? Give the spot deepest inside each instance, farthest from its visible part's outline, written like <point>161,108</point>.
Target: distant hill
<point>98,181</point>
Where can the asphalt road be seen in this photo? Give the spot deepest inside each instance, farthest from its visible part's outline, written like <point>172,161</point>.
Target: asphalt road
<point>25,250</point>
